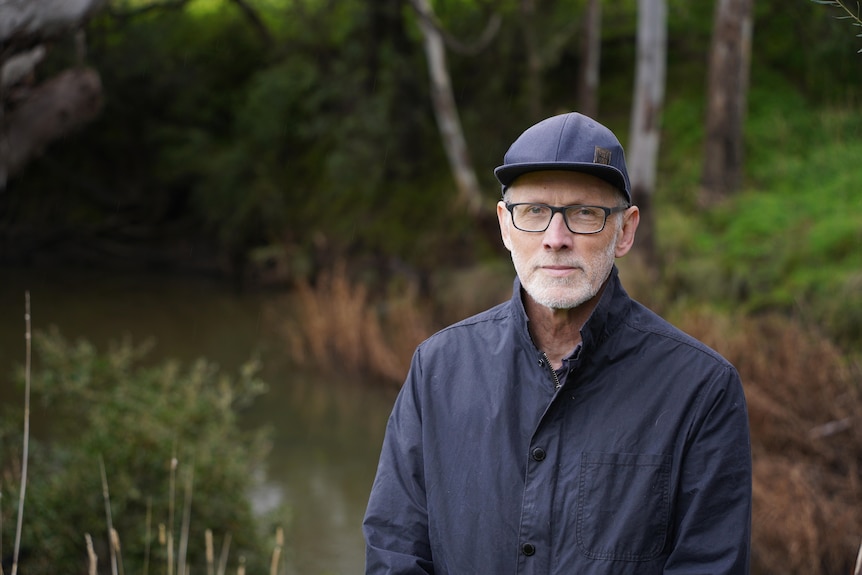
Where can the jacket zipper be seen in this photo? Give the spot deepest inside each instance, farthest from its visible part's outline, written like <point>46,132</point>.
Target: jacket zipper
<point>557,384</point>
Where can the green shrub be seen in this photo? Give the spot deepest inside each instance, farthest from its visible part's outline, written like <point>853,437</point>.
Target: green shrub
<point>158,429</point>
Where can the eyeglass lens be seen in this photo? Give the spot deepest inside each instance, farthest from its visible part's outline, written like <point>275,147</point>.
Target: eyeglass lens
<point>537,217</point>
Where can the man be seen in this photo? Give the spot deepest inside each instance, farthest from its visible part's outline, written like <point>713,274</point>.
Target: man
<point>569,430</point>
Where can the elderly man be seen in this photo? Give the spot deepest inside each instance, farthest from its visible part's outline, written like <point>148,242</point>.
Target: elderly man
<point>569,430</point>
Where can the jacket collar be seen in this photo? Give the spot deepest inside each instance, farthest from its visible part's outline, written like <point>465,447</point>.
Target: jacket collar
<point>611,310</point>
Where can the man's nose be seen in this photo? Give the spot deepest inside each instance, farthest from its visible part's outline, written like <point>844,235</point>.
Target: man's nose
<point>557,236</point>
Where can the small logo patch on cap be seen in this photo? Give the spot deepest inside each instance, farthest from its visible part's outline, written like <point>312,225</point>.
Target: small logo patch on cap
<point>602,156</point>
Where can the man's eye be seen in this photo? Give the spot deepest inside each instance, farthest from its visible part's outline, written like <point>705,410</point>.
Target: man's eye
<point>585,212</point>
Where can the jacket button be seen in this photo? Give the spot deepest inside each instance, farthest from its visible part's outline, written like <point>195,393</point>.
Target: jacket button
<point>528,549</point>
<point>538,454</point>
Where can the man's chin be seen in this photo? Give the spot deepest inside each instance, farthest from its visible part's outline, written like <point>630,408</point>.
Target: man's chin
<point>558,300</point>
<point>562,305</point>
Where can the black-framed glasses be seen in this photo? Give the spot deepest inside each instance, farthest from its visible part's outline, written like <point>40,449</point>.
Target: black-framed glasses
<point>529,217</point>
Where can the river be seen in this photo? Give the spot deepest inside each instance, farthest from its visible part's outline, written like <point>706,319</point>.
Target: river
<point>327,429</point>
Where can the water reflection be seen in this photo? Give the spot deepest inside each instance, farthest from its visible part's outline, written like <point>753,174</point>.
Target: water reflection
<point>322,466</point>
<point>327,430</point>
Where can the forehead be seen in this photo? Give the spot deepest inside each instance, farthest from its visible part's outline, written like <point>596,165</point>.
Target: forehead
<point>562,187</point>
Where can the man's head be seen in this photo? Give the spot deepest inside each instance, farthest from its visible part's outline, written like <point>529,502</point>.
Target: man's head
<point>564,256</point>
<point>570,142</point>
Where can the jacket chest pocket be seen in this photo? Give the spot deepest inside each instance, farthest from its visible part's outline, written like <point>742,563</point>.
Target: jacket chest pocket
<point>623,505</point>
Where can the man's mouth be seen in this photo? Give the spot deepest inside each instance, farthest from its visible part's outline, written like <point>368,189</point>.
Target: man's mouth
<point>558,270</point>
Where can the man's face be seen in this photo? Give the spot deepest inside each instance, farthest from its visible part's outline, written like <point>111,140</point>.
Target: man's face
<point>560,269</point>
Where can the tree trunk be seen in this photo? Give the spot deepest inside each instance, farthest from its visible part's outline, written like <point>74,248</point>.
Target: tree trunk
<point>28,22</point>
<point>533,81</point>
<point>53,109</point>
<point>591,55</point>
<point>648,103</point>
<point>446,111</point>
<point>33,116</point>
<point>727,92</point>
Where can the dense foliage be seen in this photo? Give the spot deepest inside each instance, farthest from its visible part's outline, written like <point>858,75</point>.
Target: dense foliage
<point>318,140</point>
<point>327,133</point>
<point>270,154</point>
<point>169,440</point>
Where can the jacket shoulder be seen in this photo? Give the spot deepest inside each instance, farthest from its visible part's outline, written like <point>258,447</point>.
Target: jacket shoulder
<point>481,326</point>
<point>661,331</point>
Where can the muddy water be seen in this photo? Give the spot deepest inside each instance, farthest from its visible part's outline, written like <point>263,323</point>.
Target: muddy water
<point>327,429</point>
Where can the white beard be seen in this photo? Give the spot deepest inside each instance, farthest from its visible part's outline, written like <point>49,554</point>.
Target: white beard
<point>566,292</point>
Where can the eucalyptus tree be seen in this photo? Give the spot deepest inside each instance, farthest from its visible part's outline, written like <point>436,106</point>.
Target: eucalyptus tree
<point>446,111</point>
<point>726,96</point>
<point>591,55</point>
<point>647,106</point>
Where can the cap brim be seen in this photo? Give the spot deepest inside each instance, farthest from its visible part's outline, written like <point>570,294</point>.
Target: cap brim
<point>508,173</point>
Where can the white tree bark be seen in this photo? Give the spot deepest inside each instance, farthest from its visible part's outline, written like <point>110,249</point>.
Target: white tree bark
<point>446,111</point>
<point>20,67</point>
<point>55,108</point>
<point>29,20</point>
<point>31,116</point>
<point>648,100</point>
<point>647,106</point>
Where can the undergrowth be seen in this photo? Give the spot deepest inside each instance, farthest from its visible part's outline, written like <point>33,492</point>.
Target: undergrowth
<point>145,468</point>
<point>789,242</point>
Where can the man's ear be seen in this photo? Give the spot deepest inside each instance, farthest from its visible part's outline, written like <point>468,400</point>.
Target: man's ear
<point>626,237</point>
<point>503,216</point>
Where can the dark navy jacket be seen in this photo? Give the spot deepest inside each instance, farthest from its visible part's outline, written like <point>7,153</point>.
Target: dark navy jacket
<point>639,463</point>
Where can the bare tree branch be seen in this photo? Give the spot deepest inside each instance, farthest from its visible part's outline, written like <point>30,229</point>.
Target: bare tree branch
<point>456,45</point>
<point>831,428</point>
<point>256,21</point>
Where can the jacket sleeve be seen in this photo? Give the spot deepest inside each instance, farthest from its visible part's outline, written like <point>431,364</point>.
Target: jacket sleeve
<point>396,520</point>
<point>713,518</point>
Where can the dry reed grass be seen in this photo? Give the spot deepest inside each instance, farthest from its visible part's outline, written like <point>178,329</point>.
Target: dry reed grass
<point>180,564</point>
<point>275,562</point>
<point>806,425</point>
<point>341,324</point>
<point>114,543</point>
<point>25,453</point>
<point>92,558</point>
